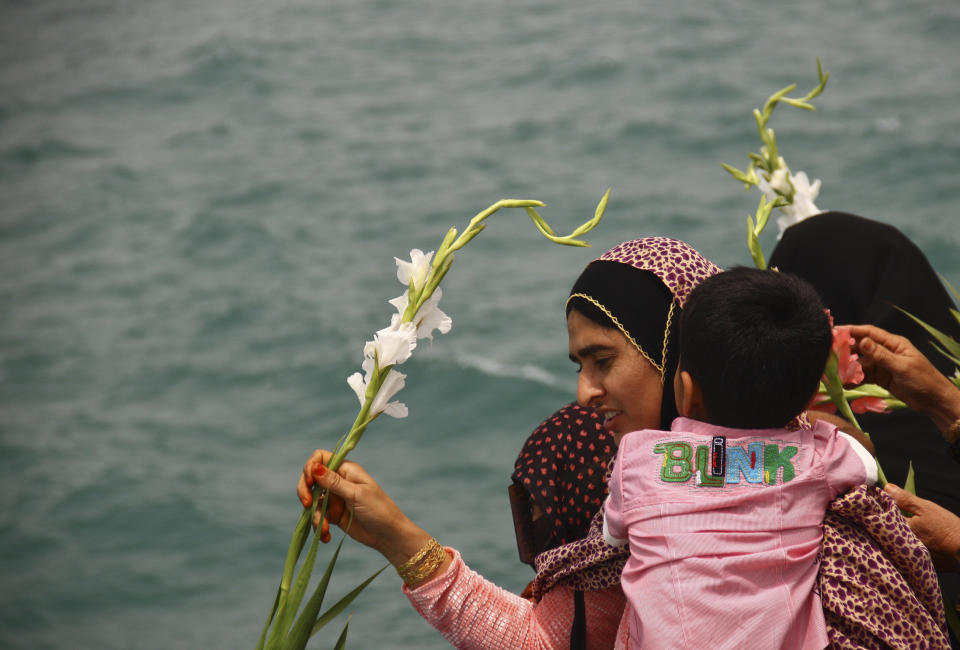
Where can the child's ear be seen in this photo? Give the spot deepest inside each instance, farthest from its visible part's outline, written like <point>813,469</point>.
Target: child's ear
<point>689,397</point>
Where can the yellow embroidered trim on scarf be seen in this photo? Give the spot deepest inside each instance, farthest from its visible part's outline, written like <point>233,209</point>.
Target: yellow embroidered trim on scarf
<point>666,336</point>
<point>623,330</point>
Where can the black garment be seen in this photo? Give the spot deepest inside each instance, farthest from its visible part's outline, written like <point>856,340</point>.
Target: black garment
<point>862,268</point>
<point>578,633</point>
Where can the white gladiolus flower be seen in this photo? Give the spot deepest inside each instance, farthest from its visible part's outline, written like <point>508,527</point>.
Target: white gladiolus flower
<point>392,345</point>
<point>391,385</point>
<point>416,269</point>
<point>428,318</point>
<point>803,206</point>
<point>804,194</point>
<point>779,182</point>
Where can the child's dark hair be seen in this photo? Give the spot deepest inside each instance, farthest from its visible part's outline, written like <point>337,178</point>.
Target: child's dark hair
<point>756,342</point>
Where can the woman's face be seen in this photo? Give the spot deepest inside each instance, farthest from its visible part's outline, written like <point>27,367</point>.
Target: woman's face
<point>614,379</point>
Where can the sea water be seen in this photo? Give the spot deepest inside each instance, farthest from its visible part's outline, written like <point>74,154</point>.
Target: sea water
<point>200,203</point>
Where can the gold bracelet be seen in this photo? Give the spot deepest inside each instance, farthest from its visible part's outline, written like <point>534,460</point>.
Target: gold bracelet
<point>422,565</point>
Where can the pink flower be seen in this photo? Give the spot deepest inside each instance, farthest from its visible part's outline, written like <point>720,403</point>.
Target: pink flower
<point>848,367</point>
<point>873,404</point>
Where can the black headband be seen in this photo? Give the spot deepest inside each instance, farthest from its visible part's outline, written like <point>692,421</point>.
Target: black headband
<point>637,303</point>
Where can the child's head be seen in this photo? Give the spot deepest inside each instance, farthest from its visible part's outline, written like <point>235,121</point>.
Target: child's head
<point>754,343</point>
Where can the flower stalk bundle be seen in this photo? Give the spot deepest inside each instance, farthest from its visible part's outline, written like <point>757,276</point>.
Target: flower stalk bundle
<point>417,316</point>
<point>792,193</point>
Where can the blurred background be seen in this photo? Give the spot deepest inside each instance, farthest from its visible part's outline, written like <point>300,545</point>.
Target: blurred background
<point>200,202</point>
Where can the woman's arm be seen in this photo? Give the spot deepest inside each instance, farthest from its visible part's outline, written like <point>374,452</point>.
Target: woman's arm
<point>475,614</point>
<point>472,612</point>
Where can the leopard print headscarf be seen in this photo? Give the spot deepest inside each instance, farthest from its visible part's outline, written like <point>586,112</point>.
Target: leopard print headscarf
<point>590,563</point>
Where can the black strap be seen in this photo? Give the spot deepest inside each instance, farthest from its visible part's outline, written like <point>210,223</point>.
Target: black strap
<point>578,633</point>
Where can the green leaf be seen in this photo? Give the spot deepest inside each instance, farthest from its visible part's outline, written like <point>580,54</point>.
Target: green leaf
<point>342,640</point>
<point>736,173</point>
<point>273,610</point>
<point>540,223</point>
<point>598,213</point>
<point>444,245</point>
<point>945,353</point>
<point>300,634</point>
<point>952,346</point>
<point>798,103</point>
<point>881,477</point>
<point>868,390</point>
<point>776,97</point>
<point>520,203</point>
<point>570,240</point>
<point>299,586</point>
<point>343,603</point>
<point>761,122</point>
<point>763,213</point>
<point>772,152</point>
<point>293,554</point>
<point>952,290</point>
<point>910,483</point>
<point>754,245</point>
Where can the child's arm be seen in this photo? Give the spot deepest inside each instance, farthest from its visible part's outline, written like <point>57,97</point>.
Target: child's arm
<point>845,461</point>
<point>614,529</point>
<point>844,426</point>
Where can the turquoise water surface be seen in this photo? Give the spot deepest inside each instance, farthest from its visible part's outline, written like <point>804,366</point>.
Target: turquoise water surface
<point>200,203</point>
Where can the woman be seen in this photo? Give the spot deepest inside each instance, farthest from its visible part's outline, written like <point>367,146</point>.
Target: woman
<point>621,318</point>
<point>864,270</point>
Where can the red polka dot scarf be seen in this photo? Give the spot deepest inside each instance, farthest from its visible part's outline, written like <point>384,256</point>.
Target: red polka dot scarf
<point>562,467</point>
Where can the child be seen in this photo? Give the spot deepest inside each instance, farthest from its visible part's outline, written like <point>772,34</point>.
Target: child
<point>723,512</point>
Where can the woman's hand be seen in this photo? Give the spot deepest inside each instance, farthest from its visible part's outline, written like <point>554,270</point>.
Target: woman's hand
<point>937,527</point>
<point>894,363</point>
<point>377,521</point>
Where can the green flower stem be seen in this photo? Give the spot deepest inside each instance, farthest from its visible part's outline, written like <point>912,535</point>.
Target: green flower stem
<point>287,601</point>
<point>866,390</point>
<point>755,228</point>
<point>769,161</point>
<point>297,542</point>
<point>833,388</point>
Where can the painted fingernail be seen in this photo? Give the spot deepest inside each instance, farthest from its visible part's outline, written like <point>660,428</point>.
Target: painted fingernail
<point>319,471</point>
